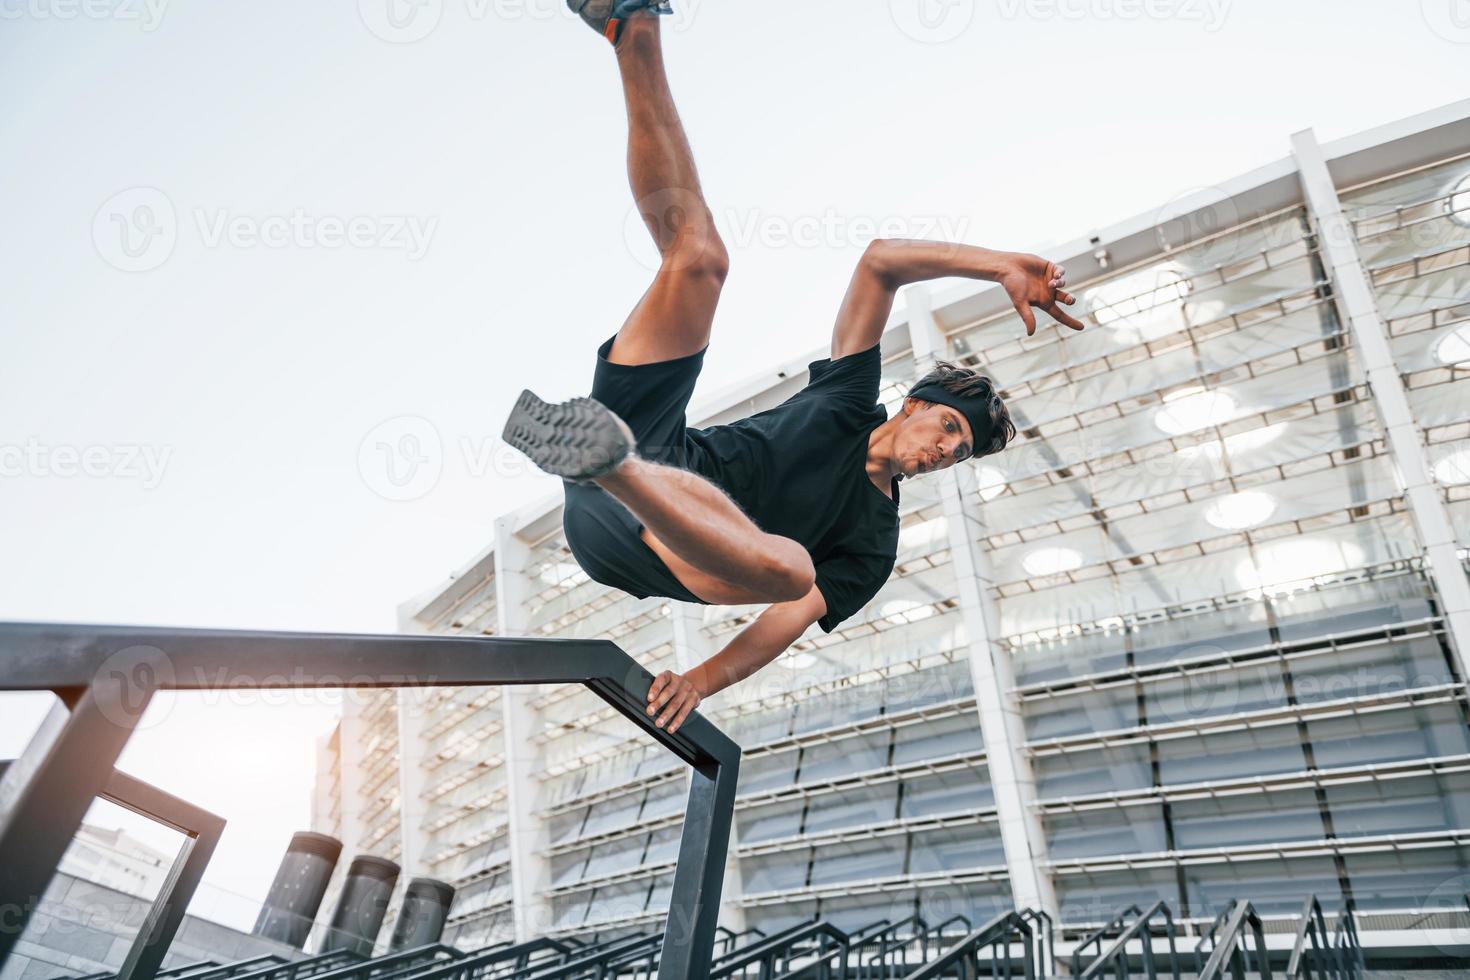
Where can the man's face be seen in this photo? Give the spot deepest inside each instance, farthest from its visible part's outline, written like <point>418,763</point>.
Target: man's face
<point>931,438</point>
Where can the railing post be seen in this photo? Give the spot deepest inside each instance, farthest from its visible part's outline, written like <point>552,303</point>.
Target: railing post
<point>694,905</point>
<point>47,791</point>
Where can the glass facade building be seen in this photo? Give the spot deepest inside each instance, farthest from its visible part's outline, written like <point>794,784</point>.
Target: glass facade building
<point>1200,633</point>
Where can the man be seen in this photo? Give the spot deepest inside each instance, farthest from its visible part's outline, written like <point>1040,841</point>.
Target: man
<point>796,506</point>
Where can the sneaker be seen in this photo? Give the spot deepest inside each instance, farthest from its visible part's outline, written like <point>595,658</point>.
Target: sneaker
<point>578,440</point>
<point>606,16</point>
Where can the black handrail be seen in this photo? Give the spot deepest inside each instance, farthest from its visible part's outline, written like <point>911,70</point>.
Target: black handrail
<point>1345,940</point>
<point>891,944</point>
<point>515,958</point>
<point>223,971</point>
<point>1313,956</point>
<point>600,962</point>
<point>1234,948</point>
<point>995,939</point>
<point>763,942</point>
<point>1046,940</point>
<point>781,949</point>
<point>1208,939</point>
<point>963,920</point>
<point>311,966</point>
<point>106,676</point>
<point>732,940</point>
<point>1115,958</point>
<point>825,943</point>
<point>393,964</point>
<point>177,971</point>
<point>1102,934</point>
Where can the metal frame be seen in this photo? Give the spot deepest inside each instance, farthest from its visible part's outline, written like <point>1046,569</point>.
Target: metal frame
<point>201,830</point>
<point>1115,958</point>
<point>988,950</point>
<point>1241,947</point>
<point>108,674</point>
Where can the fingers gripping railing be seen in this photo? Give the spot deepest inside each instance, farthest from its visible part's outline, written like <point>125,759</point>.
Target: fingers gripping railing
<point>107,675</point>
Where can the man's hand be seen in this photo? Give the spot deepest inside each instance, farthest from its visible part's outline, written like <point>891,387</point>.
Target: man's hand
<point>672,697</point>
<point>1030,280</point>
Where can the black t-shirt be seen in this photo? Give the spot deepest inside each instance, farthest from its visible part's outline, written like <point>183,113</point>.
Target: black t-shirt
<point>800,471</point>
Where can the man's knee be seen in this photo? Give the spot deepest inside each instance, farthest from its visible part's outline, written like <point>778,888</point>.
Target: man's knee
<point>704,260</point>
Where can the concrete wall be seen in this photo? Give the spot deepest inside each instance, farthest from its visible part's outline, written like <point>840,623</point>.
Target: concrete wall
<point>81,928</point>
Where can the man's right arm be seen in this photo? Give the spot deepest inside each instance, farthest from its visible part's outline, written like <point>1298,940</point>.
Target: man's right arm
<point>781,625</point>
<point>673,696</point>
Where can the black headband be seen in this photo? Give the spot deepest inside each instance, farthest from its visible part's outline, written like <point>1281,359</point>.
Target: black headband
<point>975,409</point>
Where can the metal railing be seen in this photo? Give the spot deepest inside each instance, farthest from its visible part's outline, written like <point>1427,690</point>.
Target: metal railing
<point>1240,947</point>
<point>106,676</point>
<point>988,950</point>
<point>1101,935</point>
<point>774,956</point>
<point>1317,954</point>
<point>201,831</point>
<point>1115,959</point>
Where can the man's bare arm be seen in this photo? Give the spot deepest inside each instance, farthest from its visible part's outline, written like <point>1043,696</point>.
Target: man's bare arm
<point>673,695</point>
<point>889,264</point>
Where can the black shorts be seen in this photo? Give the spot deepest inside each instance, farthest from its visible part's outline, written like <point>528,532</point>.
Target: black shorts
<point>603,534</point>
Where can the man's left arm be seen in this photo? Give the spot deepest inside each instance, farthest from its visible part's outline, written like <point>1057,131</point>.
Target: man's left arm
<point>890,264</point>
<point>674,695</point>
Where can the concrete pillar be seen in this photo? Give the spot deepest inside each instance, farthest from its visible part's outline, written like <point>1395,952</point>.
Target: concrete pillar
<point>299,886</point>
<point>1001,724</point>
<point>1358,306</point>
<point>530,870</point>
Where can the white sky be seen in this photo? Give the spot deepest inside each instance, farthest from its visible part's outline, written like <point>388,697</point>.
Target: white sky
<point>256,378</point>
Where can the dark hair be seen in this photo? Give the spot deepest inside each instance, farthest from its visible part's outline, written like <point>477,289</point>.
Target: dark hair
<point>969,383</point>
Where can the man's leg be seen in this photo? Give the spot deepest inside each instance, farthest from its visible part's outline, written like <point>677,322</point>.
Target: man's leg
<point>687,517</point>
<point>700,533</point>
<point>673,319</point>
